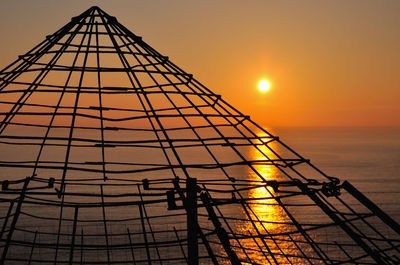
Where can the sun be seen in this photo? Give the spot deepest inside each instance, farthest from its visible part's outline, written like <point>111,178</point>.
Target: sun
<point>264,85</point>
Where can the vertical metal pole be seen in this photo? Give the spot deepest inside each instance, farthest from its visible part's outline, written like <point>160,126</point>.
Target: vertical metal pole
<point>32,248</point>
<point>192,220</point>
<point>71,252</point>
<point>14,221</point>
<point>105,223</point>
<point>81,246</point>
<point>131,245</point>
<point>6,220</point>
<point>198,228</point>
<point>144,234</point>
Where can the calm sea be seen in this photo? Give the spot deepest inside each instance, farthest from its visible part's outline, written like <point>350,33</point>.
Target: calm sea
<point>369,158</point>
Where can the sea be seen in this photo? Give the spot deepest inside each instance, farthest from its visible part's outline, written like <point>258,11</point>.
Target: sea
<point>367,157</point>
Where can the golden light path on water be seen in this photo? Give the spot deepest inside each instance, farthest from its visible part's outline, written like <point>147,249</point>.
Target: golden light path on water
<point>266,212</point>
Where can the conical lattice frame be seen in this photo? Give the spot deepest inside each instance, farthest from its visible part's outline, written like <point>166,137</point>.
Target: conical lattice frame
<point>112,154</point>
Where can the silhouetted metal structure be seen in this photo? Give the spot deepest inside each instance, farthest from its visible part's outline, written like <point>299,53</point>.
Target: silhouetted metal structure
<point>112,154</point>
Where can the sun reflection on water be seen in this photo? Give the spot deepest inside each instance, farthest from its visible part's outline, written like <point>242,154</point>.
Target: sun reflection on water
<point>264,210</point>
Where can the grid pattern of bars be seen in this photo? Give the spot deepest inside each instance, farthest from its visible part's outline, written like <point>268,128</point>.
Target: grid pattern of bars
<point>112,154</point>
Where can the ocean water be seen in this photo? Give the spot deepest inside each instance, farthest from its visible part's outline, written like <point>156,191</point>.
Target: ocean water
<point>367,157</point>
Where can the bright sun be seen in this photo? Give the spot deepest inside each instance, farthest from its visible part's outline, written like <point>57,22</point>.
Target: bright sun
<point>264,86</point>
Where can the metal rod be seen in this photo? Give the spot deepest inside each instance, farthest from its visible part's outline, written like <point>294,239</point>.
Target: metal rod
<point>345,227</point>
<point>14,221</point>
<point>192,220</point>
<point>371,206</point>
<point>72,248</point>
<point>221,233</point>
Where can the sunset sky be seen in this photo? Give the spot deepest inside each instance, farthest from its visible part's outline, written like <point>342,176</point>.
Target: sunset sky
<point>330,63</point>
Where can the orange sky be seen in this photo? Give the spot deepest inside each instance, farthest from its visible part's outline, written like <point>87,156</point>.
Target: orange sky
<point>331,63</point>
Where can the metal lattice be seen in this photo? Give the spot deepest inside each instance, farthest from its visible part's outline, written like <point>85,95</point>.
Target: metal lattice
<point>112,154</point>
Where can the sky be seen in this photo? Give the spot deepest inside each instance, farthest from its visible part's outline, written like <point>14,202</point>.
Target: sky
<point>330,63</point>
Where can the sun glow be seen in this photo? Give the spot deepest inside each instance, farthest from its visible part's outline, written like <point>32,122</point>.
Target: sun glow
<point>264,85</point>
<point>264,209</point>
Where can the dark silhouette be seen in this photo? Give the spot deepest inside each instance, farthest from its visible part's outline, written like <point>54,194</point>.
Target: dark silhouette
<point>112,154</point>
